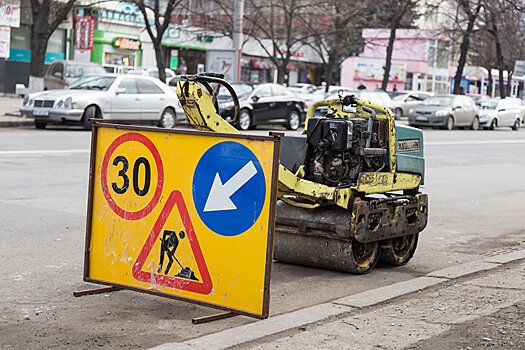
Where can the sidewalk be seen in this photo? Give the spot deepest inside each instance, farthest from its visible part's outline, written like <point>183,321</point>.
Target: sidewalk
<point>9,112</point>
<point>475,305</point>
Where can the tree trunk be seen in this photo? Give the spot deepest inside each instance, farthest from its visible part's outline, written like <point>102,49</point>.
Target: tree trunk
<point>329,72</point>
<point>509,82</point>
<point>159,56</point>
<point>37,67</point>
<point>39,40</point>
<point>499,55</point>
<point>389,49</point>
<point>489,87</point>
<point>281,72</point>
<point>463,49</point>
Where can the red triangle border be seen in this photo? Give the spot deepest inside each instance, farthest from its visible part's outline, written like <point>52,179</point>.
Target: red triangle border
<point>204,287</point>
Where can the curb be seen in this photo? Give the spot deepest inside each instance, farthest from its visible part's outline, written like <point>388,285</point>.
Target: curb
<point>13,122</point>
<point>252,331</point>
<point>13,119</point>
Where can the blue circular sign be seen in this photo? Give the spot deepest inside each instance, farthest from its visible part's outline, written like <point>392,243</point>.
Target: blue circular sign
<point>229,188</point>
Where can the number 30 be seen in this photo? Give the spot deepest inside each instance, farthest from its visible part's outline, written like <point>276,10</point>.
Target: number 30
<point>122,173</point>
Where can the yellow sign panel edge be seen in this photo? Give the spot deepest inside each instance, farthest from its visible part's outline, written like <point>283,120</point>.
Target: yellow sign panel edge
<point>274,137</point>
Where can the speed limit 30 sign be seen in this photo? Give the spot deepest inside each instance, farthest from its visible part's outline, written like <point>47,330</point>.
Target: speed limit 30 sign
<point>183,214</point>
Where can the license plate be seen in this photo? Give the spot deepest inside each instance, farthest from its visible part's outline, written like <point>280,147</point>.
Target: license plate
<point>40,112</point>
<point>421,118</point>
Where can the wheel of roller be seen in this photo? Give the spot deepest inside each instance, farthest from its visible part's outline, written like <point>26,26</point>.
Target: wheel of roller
<point>364,256</point>
<point>398,251</point>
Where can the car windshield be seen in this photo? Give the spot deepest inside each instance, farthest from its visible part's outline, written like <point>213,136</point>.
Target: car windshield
<point>488,104</point>
<point>93,83</point>
<point>240,90</point>
<point>77,70</point>
<point>438,101</point>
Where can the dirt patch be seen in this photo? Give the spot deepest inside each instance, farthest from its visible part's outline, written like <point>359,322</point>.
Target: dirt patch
<point>504,329</point>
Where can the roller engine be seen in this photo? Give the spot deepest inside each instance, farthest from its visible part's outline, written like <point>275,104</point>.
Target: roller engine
<point>338,150</point>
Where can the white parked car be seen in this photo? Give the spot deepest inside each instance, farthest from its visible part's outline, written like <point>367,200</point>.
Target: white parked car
<point>115,98</point>
<point>154,72</point>
<point>497,112</point>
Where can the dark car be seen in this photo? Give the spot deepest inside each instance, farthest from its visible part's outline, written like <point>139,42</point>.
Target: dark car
<point>263,104</point>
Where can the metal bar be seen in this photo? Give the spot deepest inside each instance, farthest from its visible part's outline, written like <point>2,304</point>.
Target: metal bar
<point>214,317</point>
<point>96,291</point>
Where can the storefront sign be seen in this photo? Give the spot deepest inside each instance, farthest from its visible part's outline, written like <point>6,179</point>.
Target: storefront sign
<point>126,44</point>
<point>124,12</point>
<point>10,13</point>
<point>85,33</point>
<point>5,36</point>
<point>173,33</point>
<point>367,70</point>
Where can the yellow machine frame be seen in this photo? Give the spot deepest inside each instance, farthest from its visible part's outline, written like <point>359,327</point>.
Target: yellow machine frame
<point>200,111</point>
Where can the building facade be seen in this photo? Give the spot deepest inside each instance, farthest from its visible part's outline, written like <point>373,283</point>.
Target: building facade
<point>420,61</point>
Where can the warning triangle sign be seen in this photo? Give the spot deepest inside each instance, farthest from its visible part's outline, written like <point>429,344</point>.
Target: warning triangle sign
<point>185,279</point>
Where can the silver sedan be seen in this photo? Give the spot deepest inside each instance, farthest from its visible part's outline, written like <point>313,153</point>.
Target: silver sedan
<point>115,98</point>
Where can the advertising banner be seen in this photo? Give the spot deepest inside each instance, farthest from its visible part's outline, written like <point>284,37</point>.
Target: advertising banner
<point>5,37</point>
<point>225,62</point>
<point>10,13</point>
<point>85,33</point>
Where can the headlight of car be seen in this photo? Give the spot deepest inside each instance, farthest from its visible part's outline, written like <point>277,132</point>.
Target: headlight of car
<point>30,102</point>
<point>411,112</point>
<point>441,113</point>
<point>483,118</point>
<point>26,100</point>
<point>67,102</point>
<point>59,104</point>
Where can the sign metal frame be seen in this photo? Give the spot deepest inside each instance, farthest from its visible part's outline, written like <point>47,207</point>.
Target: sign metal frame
<point>275,137</point>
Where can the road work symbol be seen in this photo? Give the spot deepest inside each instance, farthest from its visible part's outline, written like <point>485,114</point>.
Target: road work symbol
<point>168,247</point>
<point>229,188</point>
<point>170,243</point>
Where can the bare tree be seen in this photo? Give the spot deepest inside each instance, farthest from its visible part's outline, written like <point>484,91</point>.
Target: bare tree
<point>500,14</point>
<point>467,14</point>
<point>482,54</point>
<point>395,14</point>
<point>158,28</point>
<point>216,15</point>
<point>46,16</point>
<point>335,27</point>
<point>276,23</point>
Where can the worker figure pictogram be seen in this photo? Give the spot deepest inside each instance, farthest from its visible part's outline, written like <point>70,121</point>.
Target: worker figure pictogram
<point>169,244</point>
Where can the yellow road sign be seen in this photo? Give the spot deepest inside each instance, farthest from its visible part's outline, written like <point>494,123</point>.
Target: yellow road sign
<point>183,214</point>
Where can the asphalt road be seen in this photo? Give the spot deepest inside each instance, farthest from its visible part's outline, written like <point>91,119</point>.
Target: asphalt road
<point>474,181</point>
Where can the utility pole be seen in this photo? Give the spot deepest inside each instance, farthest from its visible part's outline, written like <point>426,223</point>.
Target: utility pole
<point>237,33</point>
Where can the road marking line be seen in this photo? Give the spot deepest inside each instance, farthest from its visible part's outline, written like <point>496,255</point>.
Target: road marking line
<point>57,151</point>
<point>494,142</point>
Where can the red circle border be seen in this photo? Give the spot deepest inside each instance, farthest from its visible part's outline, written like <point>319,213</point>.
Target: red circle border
<point>132,215</point>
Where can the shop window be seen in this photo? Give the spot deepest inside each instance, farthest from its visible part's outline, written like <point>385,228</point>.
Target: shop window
<point>57,41</point>
<point>130,85</point>
<point>148,87</point>
<point>21,38</point>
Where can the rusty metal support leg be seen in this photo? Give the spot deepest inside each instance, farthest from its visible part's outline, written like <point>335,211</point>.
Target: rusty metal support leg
<point>96,291</point>
<point>214,317</point>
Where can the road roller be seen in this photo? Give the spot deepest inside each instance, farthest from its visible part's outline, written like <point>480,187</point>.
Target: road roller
<point>349,186</point>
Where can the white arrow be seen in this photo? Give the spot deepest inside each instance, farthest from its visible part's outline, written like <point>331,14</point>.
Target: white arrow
<point>219,197</point>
